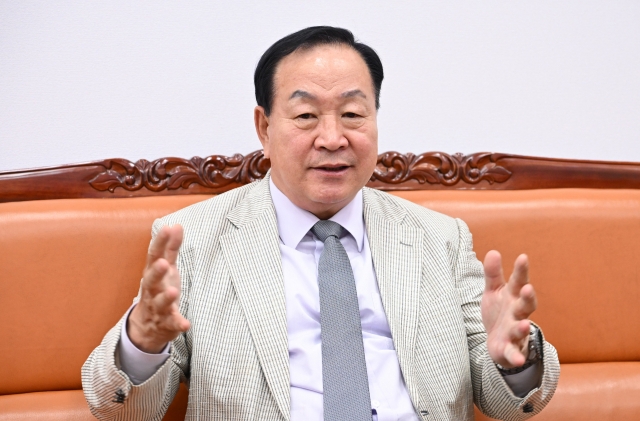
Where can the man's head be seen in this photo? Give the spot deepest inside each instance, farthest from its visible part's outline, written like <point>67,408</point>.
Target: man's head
<point>318,94</point>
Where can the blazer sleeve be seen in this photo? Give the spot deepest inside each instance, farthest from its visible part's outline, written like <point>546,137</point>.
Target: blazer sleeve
<point>108,390</point>
<point>491,394</point>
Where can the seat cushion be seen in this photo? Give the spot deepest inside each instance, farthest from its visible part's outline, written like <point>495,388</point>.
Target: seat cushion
<point>64,405</point>
<point>68,405</point>
<point>594,391</point>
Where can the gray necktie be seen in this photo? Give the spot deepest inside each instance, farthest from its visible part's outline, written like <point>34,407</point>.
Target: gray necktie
<point>344,369</point>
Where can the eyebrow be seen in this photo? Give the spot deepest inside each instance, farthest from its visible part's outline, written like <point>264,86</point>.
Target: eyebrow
<point>302,94</point>
<point>352,93</point>
<point>349,94</point>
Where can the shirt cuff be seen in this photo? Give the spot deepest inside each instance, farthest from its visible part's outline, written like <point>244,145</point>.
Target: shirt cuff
<point>525,381</point>
<point>136,364</point>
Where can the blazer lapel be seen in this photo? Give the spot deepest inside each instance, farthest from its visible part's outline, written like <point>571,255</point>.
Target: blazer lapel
<point>396,251</point>
<point>253,256</point>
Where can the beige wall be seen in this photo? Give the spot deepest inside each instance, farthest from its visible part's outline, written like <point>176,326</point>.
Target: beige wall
<point>89,80</point>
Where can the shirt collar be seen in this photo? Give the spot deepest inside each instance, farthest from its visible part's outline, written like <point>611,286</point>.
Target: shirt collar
<point>294,223</point>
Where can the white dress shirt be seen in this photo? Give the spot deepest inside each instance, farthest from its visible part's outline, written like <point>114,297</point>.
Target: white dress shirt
<point>300,251</point>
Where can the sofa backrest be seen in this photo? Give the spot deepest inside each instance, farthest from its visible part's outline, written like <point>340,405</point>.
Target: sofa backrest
<point>584,251</point>
<point>70,268</point>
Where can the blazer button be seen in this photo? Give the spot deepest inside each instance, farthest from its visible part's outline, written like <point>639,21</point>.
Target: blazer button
<point>119,396</point>
<point>424,413</point>
<point>527,408</point>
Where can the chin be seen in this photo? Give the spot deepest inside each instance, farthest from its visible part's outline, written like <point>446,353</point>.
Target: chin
<point>332,196</point>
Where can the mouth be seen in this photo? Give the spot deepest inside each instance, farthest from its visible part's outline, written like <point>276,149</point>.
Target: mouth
<point>332,169</point>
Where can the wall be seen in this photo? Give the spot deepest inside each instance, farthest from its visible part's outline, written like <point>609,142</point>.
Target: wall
<point>91,80</point>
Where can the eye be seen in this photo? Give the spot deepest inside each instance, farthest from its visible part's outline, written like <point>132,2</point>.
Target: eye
<point>305,116</point>
<point>350,115</point>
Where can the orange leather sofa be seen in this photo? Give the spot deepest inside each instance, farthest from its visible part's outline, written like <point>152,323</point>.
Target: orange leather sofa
<point>69,269</point>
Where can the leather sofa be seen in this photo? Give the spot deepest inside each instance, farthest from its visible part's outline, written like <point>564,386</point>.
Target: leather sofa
<point>69,269</point>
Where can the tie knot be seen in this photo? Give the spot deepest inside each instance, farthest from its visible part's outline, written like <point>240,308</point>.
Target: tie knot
<point>325,229</point>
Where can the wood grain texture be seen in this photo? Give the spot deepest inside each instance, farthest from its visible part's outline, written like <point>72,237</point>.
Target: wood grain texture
<point>395,171</point>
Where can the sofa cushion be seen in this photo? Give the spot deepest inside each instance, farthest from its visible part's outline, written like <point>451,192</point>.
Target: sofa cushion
<point>69,405</point>
<point>584,250</point>
<point>594,391</point>
<point>64,405</point>
<point>70,269</point>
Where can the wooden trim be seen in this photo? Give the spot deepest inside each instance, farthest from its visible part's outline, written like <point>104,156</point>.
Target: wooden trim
<point>498,171</point>
<point>395,171</point>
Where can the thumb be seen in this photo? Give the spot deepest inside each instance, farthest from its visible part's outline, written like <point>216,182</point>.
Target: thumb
<point>493,276</point>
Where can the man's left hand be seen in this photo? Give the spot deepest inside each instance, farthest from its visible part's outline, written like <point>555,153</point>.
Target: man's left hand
<point>506,307</point>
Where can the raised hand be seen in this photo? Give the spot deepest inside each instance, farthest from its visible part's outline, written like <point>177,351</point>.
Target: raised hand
<point>506,307</point>
<point>156,319</point>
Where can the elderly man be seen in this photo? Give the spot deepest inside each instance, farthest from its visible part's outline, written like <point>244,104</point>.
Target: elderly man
<point>307,296</point>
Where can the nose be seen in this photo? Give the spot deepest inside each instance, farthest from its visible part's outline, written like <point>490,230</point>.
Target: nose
<point>331,134</point>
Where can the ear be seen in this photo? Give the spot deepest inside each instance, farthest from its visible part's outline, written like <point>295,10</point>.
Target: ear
<point>261,121</point>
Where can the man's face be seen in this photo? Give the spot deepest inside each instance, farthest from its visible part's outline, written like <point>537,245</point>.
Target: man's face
<point>322,134</point>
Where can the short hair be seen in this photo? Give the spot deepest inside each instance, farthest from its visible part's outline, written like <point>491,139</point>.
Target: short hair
<point>304,39</point>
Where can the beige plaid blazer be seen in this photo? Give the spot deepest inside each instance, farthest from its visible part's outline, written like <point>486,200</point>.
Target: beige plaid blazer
<point>235,356</point>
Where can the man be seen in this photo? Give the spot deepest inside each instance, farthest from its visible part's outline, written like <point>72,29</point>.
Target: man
<point>306,296</point>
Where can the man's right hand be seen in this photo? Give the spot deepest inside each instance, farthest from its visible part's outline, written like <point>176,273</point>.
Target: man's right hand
<point>156,319</point>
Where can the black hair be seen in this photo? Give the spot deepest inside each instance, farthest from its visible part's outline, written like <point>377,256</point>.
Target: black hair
<point>263,77</point>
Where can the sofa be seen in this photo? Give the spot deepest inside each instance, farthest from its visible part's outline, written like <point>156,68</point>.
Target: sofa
<point>73,241</point>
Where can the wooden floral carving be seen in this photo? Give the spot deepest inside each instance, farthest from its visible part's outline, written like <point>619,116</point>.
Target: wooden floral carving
<point>215,171</point>
<point>439,168</point>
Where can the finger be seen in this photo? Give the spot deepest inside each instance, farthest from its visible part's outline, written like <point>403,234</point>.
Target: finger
<point>164,301</point>
<point>158,245</point>
<point>174,321</point>
<point>180,323</point>
<point>519,331</point>
<point>514,356</point>
<point>526,304</point>
<point>172,246</point>
<point>152,280</point>
<point>520,275</point>
<point>493,276</point>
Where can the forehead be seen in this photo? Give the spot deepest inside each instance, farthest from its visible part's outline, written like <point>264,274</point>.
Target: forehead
<point>323,68</point>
